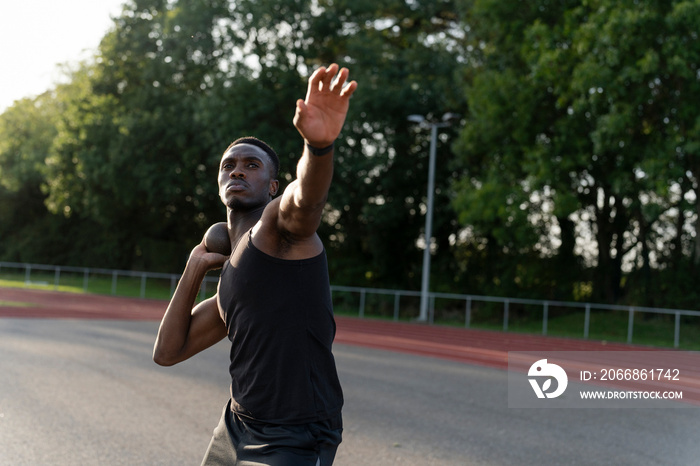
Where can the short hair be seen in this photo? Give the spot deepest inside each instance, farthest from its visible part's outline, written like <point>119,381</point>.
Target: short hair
<point>264,146</point>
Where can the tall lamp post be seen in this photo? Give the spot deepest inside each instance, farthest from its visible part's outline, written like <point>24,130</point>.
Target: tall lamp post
<point>425,280</point>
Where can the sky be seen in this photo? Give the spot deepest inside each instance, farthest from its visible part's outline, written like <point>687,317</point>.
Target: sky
<point>37,35</point>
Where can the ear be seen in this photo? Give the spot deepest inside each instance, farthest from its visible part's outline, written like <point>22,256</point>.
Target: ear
<point>274,187</point>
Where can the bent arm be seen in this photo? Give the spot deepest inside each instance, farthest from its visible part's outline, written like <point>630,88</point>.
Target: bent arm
<point>187,329</point>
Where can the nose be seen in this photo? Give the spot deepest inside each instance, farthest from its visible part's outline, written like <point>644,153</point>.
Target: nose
<point>237,171</point>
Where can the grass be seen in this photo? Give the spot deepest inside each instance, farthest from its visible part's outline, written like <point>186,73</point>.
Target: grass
<point>4,283</point>
<point>14,304</point>
<point>155,288</point>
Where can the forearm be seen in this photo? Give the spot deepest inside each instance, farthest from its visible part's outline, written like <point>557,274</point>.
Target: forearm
<point>314,175</point>
<point>175,325</point>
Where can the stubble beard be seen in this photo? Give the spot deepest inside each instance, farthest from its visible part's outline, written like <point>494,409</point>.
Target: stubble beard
<point>245,205</point>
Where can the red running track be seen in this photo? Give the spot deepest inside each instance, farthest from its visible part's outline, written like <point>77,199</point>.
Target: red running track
<point>480,347</point>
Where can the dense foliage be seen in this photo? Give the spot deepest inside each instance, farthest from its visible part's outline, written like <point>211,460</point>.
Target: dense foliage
<point>585,107</point>
<point>572,175</point>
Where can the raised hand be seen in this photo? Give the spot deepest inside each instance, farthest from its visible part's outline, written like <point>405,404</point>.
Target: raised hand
<point>320,117</point>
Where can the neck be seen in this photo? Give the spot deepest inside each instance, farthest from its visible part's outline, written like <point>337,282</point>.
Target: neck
<point>241,221</point>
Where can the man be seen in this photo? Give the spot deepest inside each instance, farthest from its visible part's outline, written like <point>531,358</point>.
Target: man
<point>273,300</point>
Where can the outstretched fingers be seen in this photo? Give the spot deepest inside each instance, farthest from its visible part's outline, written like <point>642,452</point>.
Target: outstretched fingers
<point>338,81</point>
<point>340,84</point>
<point>348,90</point>
<point>331,79</point>
<point>327,79</point>
<point>322,77</point>
<point>315,80</point>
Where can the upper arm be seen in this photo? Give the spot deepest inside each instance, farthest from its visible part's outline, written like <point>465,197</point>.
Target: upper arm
<point>296,216</point>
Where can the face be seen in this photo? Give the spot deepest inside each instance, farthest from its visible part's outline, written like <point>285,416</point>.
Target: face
<point>245,177</point>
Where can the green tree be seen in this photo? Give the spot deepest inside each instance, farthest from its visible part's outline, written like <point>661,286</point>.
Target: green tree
<point>584,109</point>
<point>27,130</point>
<point>128,154</point>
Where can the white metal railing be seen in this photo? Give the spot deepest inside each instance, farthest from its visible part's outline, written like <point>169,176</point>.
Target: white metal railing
<point>468,299</point>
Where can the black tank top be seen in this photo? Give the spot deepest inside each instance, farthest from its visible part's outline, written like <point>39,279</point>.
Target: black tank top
<point>280,322</point>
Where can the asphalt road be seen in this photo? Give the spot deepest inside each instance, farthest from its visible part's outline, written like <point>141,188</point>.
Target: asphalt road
<point>85,392</point>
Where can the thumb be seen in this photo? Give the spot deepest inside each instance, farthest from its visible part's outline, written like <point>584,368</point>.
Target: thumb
<point>301,108</point>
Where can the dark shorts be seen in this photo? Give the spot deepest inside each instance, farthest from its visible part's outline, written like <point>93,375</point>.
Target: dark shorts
<point>240,442</point>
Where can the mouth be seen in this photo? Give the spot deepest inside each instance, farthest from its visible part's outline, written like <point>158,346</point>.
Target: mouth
<point>236,186</point>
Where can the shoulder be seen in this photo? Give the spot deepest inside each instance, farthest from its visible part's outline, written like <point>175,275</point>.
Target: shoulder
<point>270,236</point>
